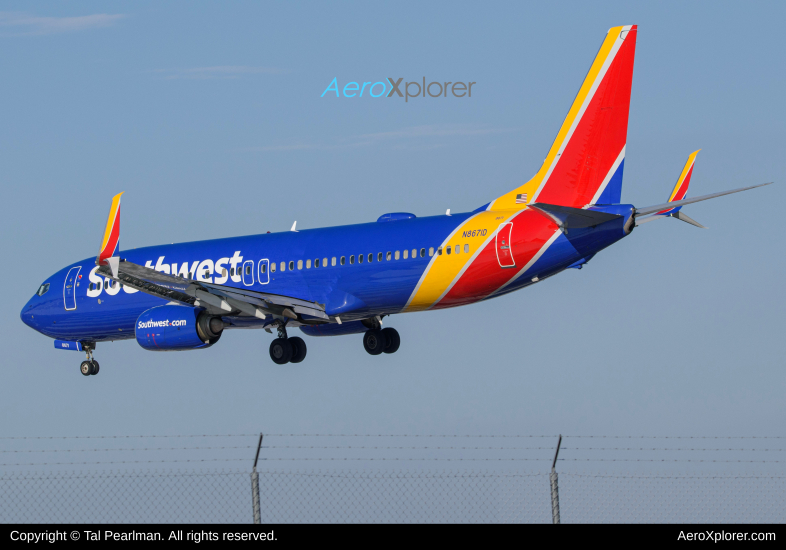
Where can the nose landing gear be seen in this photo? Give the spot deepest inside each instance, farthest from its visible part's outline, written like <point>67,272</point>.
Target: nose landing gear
<point>90,366</point>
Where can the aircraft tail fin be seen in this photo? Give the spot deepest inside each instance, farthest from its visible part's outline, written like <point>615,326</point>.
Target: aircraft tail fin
<point>681,187</point>
<point>585,163</point>
<point>111,242</point>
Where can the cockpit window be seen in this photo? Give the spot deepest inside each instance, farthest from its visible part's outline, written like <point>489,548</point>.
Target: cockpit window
<point>43,289</point>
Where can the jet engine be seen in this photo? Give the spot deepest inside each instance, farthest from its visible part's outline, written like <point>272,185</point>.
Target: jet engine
<point>177,328</point>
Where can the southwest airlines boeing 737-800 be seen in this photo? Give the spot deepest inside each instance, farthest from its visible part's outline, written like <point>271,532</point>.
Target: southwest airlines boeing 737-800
<point>346,279</point>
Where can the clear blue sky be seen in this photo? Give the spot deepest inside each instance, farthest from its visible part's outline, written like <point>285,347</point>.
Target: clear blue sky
<point>209,117</point>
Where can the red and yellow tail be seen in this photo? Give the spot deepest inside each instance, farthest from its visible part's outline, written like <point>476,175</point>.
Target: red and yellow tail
<point>681,187</point>
<point>111,240</point>
<point>584,165</point>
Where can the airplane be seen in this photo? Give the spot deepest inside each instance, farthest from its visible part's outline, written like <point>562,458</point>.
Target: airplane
<point>345,280</point>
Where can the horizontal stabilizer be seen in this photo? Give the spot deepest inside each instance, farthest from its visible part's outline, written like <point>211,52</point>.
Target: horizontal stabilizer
<point>567,217</point>
<point>687,219</point>
<point>668,205</point>
<point>678,214</point>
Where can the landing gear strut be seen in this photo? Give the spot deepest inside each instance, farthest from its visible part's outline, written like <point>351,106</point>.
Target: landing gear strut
<point>91,365</point>
<point>285,350</point>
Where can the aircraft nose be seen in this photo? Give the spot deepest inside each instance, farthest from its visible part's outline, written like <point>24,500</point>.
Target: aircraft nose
<point>27,315</point>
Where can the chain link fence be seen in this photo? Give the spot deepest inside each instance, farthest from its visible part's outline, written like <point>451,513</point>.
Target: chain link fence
<point>385,497</point>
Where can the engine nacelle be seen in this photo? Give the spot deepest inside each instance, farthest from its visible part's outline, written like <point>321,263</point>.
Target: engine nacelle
<point>177,328</point>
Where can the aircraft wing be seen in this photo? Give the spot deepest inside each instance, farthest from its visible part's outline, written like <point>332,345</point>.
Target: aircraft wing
<point>219,299</point>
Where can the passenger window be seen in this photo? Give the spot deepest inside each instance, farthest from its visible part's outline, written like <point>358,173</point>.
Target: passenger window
<point>223,272</point>
<point>423,253</point>
<point>352,259</point>
<point>439,251</point>
<point>333,260</point>
<point>299,264</point>
<point>248,270</point>
<point>371,257</point>
<point>406,254</point>
<point>316,262</point>
<point>324,262</point>
<point>398,254</point>
<point>448,249</point>
<point>283,266</point>
<point>291,265</point>
<point>343,260</point>
<point>379,256</point>
<point>308,264</point>
<point>414,253</point>
<point>431,251</point>
<point>360,258</point>
<point>272,267</point>
<point>264,268</point>
<point>458,248</point>
<point>466,248</point>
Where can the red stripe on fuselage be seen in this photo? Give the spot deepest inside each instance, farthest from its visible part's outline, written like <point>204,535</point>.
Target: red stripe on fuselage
<point>484,276</point>
<point>598,138</point>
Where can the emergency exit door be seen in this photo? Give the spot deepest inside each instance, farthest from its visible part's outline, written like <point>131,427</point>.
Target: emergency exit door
<point>504,251</point>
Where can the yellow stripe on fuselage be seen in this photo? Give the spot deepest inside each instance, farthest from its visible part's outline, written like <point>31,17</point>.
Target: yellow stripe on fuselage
<point>508,200</point>
<point>444,269</point>
<point>110,222</point>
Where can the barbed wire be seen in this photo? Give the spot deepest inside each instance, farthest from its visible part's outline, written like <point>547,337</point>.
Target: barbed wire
<point>354,474</point>
<point>666,460</point>
<point>325,459</point>
<point>662,449</point>
<point>273,447</point>
<point>124,436</point>
<point>500,436</point>
<point>390,459</point>
<point>125,449</point>
<point>678,436</point>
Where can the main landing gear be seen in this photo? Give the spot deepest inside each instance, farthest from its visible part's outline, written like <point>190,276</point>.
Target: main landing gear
<point>285,350</point>
<point>378,341</point>
<point>91,365</point>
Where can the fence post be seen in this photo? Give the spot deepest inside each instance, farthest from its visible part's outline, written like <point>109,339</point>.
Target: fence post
<point>255,486</point>
<point>554,486</point>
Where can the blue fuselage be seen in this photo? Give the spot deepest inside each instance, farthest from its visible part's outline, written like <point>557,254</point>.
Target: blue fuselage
<point>319,265</point>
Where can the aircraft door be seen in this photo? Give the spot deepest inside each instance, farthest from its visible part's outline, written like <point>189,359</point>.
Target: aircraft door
<point>264,272</point>
<point>248,273</point>
<point>69,288</point>
<point>504,251</point>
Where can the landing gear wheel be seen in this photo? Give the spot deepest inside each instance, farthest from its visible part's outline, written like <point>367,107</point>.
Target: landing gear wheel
<point>86,368</point>
<point>374,341</point>
<point>298,349</point>
<point>281,351</point>
<point>95,367</point>
<point>393,340</point>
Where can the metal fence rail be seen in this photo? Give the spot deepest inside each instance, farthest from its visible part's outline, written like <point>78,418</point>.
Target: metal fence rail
<point>384,496</point>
